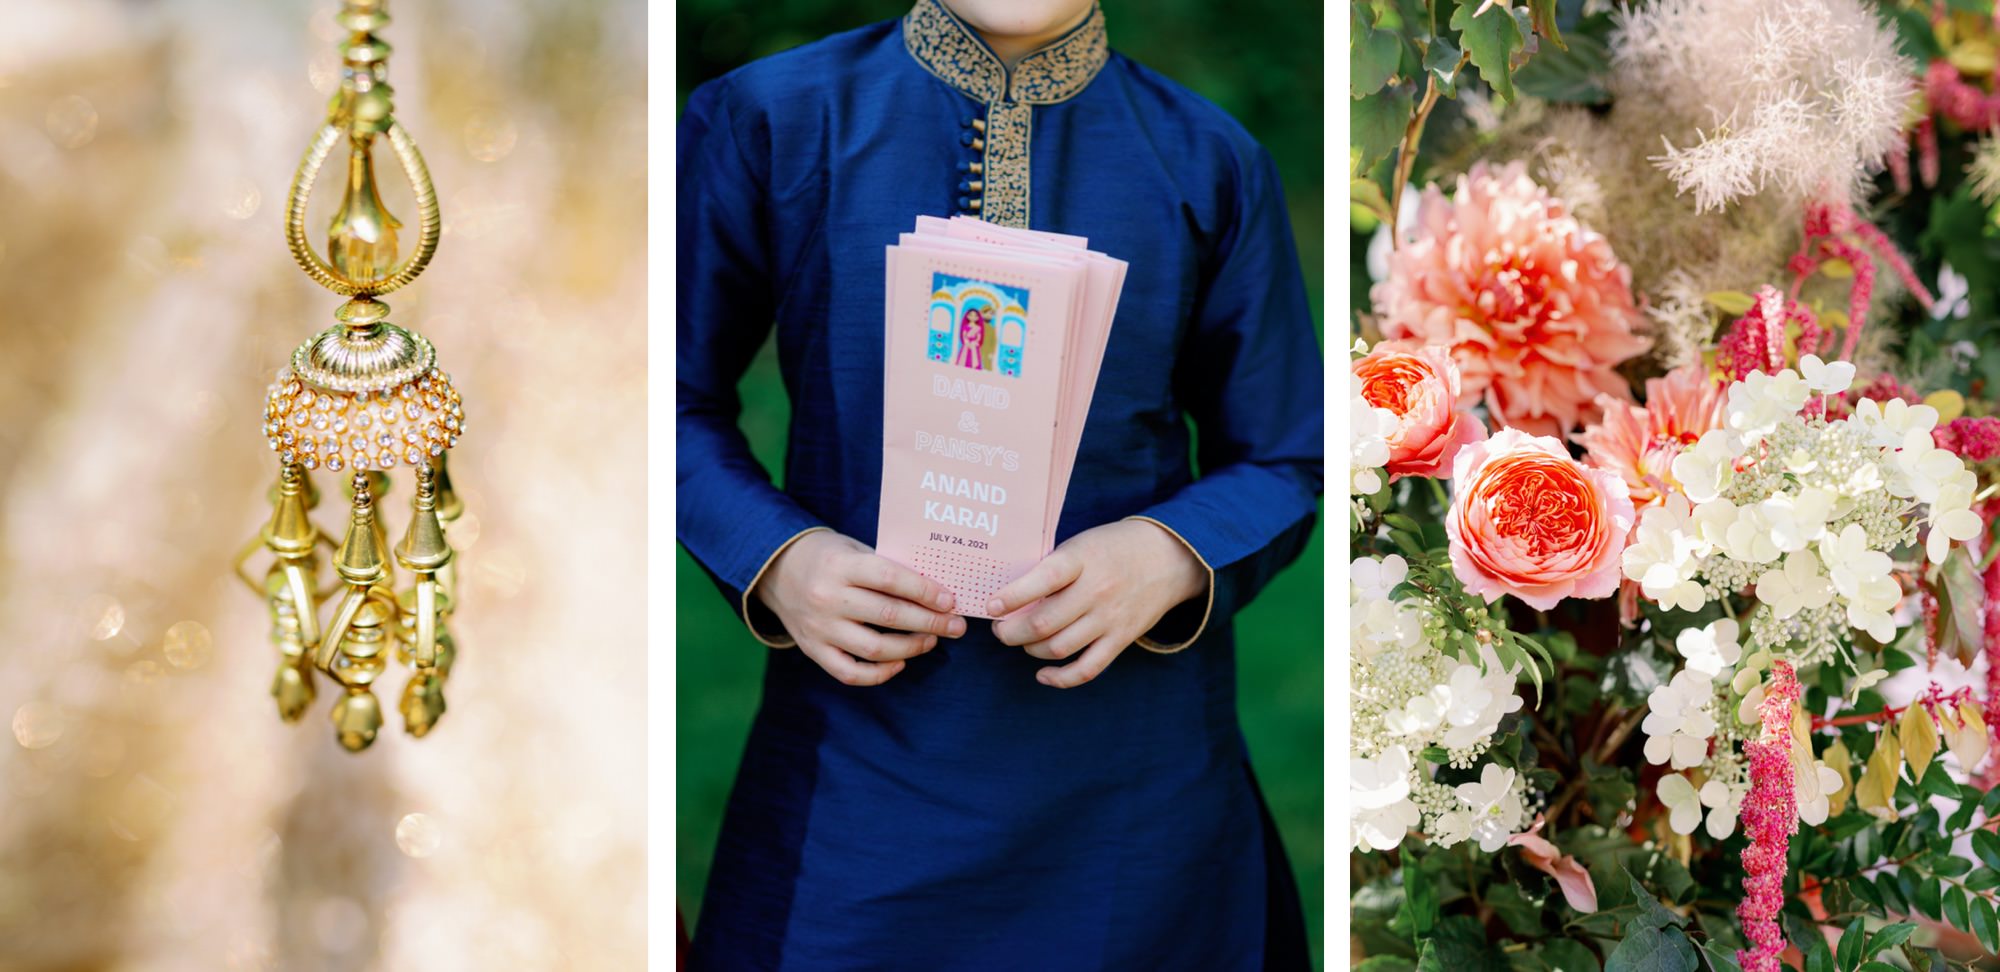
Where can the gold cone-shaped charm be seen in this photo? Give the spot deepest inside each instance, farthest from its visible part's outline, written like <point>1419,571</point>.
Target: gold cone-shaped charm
<point>290,532</point>
<point>359,561</point>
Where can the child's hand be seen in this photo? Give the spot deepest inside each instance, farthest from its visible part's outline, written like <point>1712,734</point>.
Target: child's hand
<point>1101,590</point>
<point>827,589</point>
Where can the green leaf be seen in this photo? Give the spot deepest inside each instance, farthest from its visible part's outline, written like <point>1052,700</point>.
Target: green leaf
<point>1419,913</point>
<point>1572,76</point>
<point>1386,963</point>
<point>1956,914</point>
<point>1567,955</point>
<point>1983,925</point>
<point>1652,914</point>
<point>1442,61</point>
<point>1986,844</point>
<point>1493,38</point>
<point>1721,958</point>
<point>1991,804</point>
<point>1982,879</point>
<point>1929,898</point>
<point>1653,950</point>
<point>1818,957</point>
<point>1542,13</point>
<point>1735,303</point>
<point>1851,940</point>
<point>1879,967</point>
<point>1866,890</point>
<point>1377,124</point>
<point>1889,937</point>
<point>1372,60</point>
<point>1983,8</point>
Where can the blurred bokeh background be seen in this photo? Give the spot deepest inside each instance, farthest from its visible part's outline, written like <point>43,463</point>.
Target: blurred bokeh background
<point>1261,61</point>
<point>154,812</point>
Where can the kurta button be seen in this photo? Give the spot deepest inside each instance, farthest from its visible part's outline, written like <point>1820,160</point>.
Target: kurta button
<point>978,124</point>
<point>968,204</point>
<point>971,167</point>
<point>971,185</point>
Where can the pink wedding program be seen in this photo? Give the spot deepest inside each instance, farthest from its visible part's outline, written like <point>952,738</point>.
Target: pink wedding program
<point>994,338</point>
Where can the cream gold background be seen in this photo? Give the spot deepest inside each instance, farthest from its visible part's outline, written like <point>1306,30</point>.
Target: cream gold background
<point>154,813</point>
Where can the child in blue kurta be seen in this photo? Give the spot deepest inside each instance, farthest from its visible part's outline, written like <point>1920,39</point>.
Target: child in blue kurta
<point>919,792</point>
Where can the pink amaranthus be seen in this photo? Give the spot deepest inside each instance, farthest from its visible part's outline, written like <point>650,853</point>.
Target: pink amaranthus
<point>1833,231</point>
<point>1770,815</point>
<point>1972,439</point>
<point>1756,342</point>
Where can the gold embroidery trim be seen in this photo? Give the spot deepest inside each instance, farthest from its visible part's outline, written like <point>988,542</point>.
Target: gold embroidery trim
<point>782,640</point>
<point>950,50</point>
<point>1206,610</point>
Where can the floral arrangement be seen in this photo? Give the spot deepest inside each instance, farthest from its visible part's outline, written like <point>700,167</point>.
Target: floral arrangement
<point>1675,604</point>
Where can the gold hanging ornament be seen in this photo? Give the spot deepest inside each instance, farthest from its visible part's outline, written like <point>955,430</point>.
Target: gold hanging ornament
<point>359,400</point>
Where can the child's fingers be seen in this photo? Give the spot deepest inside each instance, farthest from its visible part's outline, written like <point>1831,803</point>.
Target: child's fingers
<point>846,668</point>
<point>1056,571</point>
<point>1044,620</point>
<point>878,573</point>
<point>868,644</point>
<point>869,607</point>
<point>1087,666</point>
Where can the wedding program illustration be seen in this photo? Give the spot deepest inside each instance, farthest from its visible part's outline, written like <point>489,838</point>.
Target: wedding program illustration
<point>1675,602</point>
<point>359,400</point>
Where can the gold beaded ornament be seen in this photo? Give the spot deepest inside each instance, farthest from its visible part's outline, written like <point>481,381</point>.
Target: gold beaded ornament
<point>359,400</point>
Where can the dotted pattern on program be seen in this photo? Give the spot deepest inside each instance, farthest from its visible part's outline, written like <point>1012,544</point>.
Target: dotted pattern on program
<point>974,577</point>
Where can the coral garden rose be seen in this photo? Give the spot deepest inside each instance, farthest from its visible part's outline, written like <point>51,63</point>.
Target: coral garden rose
<point>1422,389</point>
<point>1528,520</point>
<point>1639,443</point>
<point>1535,308</point>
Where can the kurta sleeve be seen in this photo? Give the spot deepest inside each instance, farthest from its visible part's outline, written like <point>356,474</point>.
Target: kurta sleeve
<point>730,516</point>
<point>1249,374</point>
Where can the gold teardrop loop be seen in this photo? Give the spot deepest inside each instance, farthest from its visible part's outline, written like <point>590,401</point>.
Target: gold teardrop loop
<point>430,222</point>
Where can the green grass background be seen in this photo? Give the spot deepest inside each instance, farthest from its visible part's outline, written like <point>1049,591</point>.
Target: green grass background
<point>1261,62</point>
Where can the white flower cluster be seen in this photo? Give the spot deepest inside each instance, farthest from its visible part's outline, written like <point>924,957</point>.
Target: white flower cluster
<point>1807,510</point>
<point>1800,94</point>
<point>1681,723</point>
<point>1408,697</point>
<point>1367,435</point>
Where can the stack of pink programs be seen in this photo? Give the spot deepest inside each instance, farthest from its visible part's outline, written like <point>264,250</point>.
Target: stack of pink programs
<point>994,340</point>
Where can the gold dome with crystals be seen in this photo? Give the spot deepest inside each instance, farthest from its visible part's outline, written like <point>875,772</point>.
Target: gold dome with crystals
<point>407,426</point>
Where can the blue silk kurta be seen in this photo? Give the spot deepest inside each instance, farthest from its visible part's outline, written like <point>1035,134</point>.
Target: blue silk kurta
<point>963,816</point>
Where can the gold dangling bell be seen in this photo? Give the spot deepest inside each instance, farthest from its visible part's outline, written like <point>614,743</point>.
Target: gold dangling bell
<point>361,398</point>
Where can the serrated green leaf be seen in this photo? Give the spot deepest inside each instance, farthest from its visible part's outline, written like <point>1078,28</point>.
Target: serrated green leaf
<point>1866,890</point>
<point>1372,60</point>
<point>1650,949</point>
<point>1442,61</point>
<point>1493,38</point>
<point>1567,955</point>
<point>1721,958</point>
<point>1572,76</point>
<point>1378,121</point>
<point>1818,957</point>
<point>1652,914</point>
<point>1848,955</point>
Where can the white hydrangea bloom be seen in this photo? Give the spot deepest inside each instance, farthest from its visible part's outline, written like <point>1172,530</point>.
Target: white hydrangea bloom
<point>1379,790</point>
<point>1704,470</point>
<point>1710,649</point>
<point>1889,423</point>
<point>1369,579</point>
<point>1682,802</point>
<point>1494,803</point>
<point>1368,443</point>
<point>1827,379</point>
<point>1665,555</point>
<point>1796,586</point>
<point>1725,805</point>
<point>1680,720</point>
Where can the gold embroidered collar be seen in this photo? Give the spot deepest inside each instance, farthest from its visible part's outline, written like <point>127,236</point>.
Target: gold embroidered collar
<point>948,48</point>
<point>996,187</point>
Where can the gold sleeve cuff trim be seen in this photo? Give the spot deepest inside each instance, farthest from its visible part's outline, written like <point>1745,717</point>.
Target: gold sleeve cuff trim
<point>1207,608</point>
<point>782,640</point>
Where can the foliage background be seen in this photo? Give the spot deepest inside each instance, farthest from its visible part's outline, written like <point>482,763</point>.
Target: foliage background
<point>1260,61</point>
